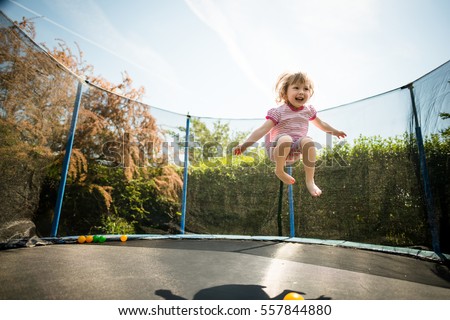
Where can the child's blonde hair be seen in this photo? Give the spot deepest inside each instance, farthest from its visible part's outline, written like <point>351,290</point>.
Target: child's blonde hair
<point>287,79</point>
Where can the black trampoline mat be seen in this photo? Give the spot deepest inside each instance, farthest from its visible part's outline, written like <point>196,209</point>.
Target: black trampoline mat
<point>216,269</point>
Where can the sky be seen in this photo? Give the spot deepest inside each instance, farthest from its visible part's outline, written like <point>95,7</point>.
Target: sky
<point>221,58</point>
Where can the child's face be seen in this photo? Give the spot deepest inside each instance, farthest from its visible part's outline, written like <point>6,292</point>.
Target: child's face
<point>298,94</point>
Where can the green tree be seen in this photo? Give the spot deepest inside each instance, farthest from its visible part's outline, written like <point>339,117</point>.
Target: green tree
<point>116,134</point>
<point>210,144</point>
<point>446,132</point>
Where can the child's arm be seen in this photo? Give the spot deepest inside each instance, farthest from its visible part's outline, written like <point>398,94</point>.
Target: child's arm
<point>255,136</point>
<point>322,125</point>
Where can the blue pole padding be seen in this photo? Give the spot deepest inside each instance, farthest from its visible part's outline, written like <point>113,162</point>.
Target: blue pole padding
<point>291,206</point>
<point>185,176</point>
<point>65,166</point>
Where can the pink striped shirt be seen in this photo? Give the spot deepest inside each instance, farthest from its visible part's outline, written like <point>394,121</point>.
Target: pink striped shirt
<point>290,121</point>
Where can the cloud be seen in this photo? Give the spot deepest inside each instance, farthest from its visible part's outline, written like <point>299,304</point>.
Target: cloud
<point>103,34</point>
<point>335,17</point>
<point>216,19</point>
<point>266,38</point>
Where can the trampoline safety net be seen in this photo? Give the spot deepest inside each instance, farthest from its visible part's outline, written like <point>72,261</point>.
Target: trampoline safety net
<point>386,183</point>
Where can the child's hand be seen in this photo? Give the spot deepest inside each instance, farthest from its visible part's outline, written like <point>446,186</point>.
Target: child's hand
<point>340,134</point>
<point>237,151</point>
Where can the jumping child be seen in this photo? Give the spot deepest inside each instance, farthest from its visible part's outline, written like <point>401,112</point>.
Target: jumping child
<point>286,129</point>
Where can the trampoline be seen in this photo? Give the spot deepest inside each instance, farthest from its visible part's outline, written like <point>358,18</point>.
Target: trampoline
<point>378,192</point>
<point>214,268</point>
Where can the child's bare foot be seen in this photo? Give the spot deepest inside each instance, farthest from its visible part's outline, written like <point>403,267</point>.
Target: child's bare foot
<point>283,176</point>
<point>313,189</point>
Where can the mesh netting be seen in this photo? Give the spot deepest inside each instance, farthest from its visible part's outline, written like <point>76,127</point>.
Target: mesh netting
<point>34,120</point>
<point>127,163</point>
<point>372,181</point>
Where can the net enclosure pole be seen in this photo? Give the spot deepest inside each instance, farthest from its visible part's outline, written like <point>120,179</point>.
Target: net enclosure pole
<point>66,162</point>
<point>185,176</point>
<point>291,206</point>
<point>280,207</point>
<point>432,219</point>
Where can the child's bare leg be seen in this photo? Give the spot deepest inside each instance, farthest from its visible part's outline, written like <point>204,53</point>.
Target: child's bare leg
<point>309,161</point>
<point>280,153</point>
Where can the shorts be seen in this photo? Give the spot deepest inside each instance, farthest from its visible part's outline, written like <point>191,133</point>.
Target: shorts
<point>296,149</point>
